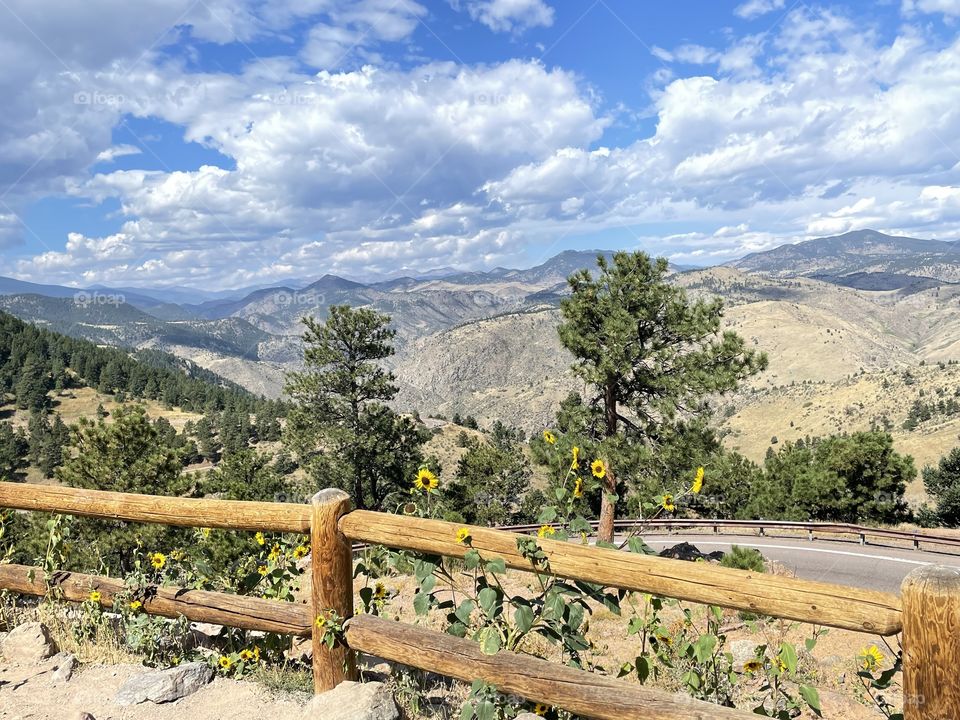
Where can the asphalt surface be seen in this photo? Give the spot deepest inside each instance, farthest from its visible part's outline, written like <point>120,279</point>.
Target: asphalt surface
<point>873,567</point>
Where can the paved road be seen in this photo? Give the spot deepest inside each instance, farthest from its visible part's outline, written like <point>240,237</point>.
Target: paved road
<point>875,567</point>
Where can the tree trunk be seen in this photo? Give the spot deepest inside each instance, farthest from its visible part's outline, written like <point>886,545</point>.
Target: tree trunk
<point>609,482</point>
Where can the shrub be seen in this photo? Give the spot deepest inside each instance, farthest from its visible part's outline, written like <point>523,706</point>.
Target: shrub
<point>743,558</point>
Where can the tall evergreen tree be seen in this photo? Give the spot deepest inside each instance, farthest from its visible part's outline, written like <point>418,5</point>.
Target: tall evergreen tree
<point>13,452</point>
<point>651,354</point>
<point>340,429</point>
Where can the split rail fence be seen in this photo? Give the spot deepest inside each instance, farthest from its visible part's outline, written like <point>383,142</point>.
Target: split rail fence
<point>927,613</point>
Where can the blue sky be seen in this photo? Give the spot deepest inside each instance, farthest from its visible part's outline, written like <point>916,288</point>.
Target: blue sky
<point>222,143</point>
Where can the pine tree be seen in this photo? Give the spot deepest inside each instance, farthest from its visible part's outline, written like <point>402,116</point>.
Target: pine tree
<point>651,354</point>
<point>13,452</point>
<point>341,429</point>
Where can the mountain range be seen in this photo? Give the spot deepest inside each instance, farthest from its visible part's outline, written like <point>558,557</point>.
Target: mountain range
<point>484,343</point>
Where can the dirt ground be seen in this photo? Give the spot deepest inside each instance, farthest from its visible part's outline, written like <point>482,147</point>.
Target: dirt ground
<point>28,693</point>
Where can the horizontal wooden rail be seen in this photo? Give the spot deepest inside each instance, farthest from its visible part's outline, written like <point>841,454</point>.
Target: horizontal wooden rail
<point>238,611</point>
<point>802,600</point>
<point>183,512</point>
<point>585,693</point>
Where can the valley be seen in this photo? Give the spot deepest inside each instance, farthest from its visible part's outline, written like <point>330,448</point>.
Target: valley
<point>842,320</point>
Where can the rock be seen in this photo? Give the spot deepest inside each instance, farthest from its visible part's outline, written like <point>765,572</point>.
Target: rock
<point>528,716</point>
<point>691,553</point>
<point>28,643</point>
<point>63,666</point>
<point>742,651</point>
<point>353,701</point>
<point>160,686</point>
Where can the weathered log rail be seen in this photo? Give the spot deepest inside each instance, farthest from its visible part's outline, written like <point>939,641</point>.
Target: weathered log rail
<point>930,622</point>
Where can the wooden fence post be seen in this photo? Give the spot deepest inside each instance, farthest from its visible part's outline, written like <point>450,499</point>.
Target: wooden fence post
<point>332,572</point>
<point>931,643</point>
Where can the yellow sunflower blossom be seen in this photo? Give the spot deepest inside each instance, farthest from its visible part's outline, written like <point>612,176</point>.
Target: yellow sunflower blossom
<point>426,481</point>
<point>667,503</point>
<point>463,536</point>
<point>549,437</point>
<point>546,531</point>
<point>870,657</point>
<point>300,551</point>
<point>274,553</point>
<point>578,488</point>
<point>752,666</point>
<point>261,540</point>
<point>225,662</point>
<point>94,596</point>
<point>541,709</point>
<point>320,622</point>
<point>380,591</point>
<point>246,655</point>
<point>263,570</point>
<point>135,605</point>
<point>598,469</point>
<point>575,463</point>
<point>697,482</point>
<point>256,653</point>
<point>158,560</point>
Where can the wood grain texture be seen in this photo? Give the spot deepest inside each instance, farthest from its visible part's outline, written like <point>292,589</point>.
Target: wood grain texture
<point>183,512</point>
<point>332,589</point>
<point>931,643</point>
<point>197,605</point>
<point>587,694</point>
<point>802,600</point>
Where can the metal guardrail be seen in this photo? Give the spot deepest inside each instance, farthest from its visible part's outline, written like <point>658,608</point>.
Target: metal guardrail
<point>811,528</point>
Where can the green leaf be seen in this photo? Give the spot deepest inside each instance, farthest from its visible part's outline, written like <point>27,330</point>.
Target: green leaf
<point>463,612</point>
<point>421,603</point>
<point>471,559</point>
<point>547,515</point>
<point>457,629</point>
<point>638,546</point>
<point>489,641</point>
<point>643,668</point>
<point>496,566</point>
<point>488,600</point>
<point>704,647</point>
<point>523,618</point>
<point>788,654</point>
<point>812,698</point>
<point>486,710</point>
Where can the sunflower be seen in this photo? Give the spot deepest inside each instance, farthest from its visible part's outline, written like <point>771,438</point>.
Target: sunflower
<point>320,622</point>
<point>263,570</point>
<point>94,596</point>
<point>300,551</point>
<point>463,536</point>
<point>158,560</point>
<point>667,503</point>
<point>549,437</point>
<point>578,488</point>
<point>598,469</point>
<point>546,531</point>
<point>256,653</point>
<point>261,540</point>
<point>246,655</point>
<point>135,605</point>
<point>870,657</point>
<point>541,709</point>
<point>575,463</point>
<point>752,666</point>
<point>275,553</point>
<point>380,591</point>
<point>426,481</point>
<point>226,662</point>
<point>697,482</point>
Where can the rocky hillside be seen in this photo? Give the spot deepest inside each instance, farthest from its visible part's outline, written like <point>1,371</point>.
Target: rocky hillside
<point>860,251</point>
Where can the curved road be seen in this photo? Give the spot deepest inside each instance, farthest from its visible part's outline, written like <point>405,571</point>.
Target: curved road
<point>874,567</point>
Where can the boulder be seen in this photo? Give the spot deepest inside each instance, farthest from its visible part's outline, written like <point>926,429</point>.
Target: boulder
<point>353,701</point>
<point>528,716</point>
<point>63,666</point>
<point>28,643</point>
<point>161,686</point>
